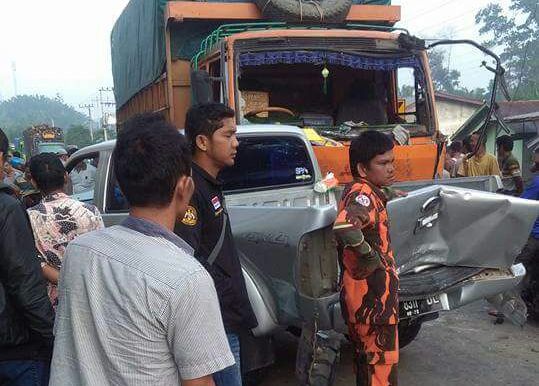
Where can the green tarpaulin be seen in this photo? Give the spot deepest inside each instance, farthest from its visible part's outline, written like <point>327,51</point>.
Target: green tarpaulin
<point>138,44</point>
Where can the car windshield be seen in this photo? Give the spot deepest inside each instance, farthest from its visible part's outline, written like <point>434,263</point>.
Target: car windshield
<point>264,162</point>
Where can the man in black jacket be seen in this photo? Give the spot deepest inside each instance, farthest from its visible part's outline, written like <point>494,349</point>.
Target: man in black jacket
<point>26,316</point>
<point>211,130</point>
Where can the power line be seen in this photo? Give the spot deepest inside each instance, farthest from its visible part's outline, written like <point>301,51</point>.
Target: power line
<point>451,19</point>
<point>103,104</point>
<point>89,106</point>
<point>430,10</point>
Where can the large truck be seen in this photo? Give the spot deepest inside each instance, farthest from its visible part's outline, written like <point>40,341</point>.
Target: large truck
<point>338,77</point>
<point>42,139</point>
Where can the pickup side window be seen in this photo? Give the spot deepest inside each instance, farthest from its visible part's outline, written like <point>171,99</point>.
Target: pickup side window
<point>116,201</point>
<point>82,177</point>
<point>263,162</point>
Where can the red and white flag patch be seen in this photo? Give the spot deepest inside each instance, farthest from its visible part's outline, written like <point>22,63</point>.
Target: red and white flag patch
<point>216,203</point>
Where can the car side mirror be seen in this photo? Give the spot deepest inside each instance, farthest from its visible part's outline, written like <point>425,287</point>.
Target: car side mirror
<point>200,87</point>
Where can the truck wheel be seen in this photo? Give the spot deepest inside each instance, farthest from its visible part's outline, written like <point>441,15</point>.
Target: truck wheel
<point>408,332</point>
<point>317,357</point>
<point>330,11</point>
<point>255,377</point>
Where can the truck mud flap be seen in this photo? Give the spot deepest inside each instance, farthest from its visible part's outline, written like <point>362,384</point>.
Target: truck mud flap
<point>434,280</point>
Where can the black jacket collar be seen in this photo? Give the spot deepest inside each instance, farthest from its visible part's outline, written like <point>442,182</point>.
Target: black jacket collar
<point>204,174</point>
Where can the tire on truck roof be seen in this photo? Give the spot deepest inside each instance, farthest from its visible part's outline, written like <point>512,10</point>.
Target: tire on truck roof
<point>329,11</point>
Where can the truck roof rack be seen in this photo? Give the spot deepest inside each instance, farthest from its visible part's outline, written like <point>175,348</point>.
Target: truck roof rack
<point>225,30</point>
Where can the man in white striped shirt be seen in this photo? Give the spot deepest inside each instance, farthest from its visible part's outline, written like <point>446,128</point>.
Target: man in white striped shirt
<point>135,307</point>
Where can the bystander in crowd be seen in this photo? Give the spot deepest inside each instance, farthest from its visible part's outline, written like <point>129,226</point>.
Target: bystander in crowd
<point>510,167</point>
<point>211,131</point>
<point>135,307</point>
<point>481,163</point>
<point>57,219</point>
<point>26,315</point>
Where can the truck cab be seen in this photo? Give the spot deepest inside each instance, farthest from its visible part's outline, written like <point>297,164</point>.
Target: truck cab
<point>338,81</point>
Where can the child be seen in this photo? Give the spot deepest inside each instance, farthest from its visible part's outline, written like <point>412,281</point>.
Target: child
<point>370,280</point>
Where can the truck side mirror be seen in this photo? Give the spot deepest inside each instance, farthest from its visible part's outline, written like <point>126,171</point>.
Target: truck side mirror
<point>200,87</point>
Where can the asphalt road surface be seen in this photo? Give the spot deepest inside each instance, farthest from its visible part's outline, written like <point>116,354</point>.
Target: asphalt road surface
<point>462,347</point>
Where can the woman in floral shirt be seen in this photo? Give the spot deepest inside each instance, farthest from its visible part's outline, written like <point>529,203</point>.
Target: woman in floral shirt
<point>58,219</point>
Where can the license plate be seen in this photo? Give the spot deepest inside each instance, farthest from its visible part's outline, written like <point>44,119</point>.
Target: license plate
<point>409,308</point>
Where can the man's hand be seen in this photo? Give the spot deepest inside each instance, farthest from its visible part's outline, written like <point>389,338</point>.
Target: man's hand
<point>51,274</point>
<point>204,381</point>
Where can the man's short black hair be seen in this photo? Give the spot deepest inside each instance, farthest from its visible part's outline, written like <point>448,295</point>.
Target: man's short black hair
<point>4,146</point>
<point>467,144</point>
<point>505,142</point>
<point>481,140</point>
<point>149,158</point>
<point>205,119</point>
<point>72,151</point>
<point>456,146</point>
<point>366,146</point>
<point>17,154</point>
<point>48,172</point>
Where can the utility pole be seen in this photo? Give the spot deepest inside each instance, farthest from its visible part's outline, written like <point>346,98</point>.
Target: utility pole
<point>104,103</point>
<point>89,106</point>
<point>14,74</point>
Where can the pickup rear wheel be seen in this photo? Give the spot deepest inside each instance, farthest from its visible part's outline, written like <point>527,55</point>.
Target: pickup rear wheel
<point>317,356</point>
<point>408,332</point>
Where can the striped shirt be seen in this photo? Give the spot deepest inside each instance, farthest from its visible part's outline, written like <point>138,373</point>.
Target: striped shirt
<point>135,308</point>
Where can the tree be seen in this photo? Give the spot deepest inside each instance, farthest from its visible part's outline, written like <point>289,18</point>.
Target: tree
<point>443,78</point>
<point>20,112</point>
<point>518,36</point>
<point>448,80</point>
<point>79,136</point>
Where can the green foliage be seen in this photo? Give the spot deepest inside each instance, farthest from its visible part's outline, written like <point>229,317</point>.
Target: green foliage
<point>517,33</point>
<point>443,78</point>
<point>406,91</point>
<point>448,80</point>
<point>20,112</point>
<point>78,135</point>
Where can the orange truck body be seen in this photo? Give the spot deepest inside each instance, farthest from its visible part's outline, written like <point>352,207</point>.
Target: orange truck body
<point>171,92</point>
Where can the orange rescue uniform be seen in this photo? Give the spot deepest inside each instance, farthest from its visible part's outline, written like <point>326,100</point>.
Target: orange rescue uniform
<point>370,282</point>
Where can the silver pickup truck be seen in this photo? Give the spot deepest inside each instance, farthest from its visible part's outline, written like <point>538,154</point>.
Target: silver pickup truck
<point>449,245</point>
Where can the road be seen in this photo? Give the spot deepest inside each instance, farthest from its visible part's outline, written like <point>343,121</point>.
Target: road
<point>462,347</point>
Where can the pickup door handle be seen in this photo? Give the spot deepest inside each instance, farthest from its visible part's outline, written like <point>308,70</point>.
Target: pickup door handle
<point>430,204</point>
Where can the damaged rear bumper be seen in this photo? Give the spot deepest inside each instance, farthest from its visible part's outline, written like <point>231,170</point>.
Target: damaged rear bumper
<point>490,284</point>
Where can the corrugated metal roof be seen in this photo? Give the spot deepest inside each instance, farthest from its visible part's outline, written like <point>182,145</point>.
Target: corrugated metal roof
<point>512,108</point>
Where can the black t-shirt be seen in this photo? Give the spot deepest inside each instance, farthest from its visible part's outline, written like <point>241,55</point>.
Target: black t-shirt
<point>201,227</point>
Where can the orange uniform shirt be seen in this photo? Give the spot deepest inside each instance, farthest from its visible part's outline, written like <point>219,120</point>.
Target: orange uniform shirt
<point>370,280</point>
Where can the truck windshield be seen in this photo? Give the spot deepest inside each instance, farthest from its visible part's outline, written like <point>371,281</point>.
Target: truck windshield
<point>326,90</point>
<point>50,147</point>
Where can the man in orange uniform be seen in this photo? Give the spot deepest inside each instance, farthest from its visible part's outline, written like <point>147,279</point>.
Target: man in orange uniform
<point>370,280</point>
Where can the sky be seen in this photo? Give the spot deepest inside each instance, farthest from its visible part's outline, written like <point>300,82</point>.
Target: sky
<point>63,46</point>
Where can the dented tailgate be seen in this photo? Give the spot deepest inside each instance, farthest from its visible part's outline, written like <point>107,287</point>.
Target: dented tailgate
<point>443,225</point>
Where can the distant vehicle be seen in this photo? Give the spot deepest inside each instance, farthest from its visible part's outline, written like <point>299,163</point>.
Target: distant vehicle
<point>43,139</point>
